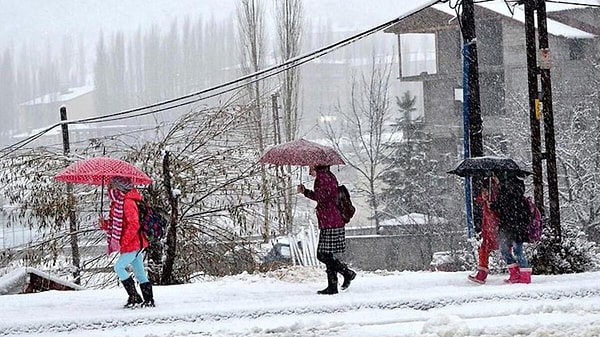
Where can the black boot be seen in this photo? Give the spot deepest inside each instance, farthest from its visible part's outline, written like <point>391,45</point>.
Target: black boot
<point>332,283</point>
<point>147,293</point>
<point>349,275</point>
<point>134,298</point>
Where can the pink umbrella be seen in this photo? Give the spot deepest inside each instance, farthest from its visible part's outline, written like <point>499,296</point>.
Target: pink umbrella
<point>301,153</point>
<point>98,171</point>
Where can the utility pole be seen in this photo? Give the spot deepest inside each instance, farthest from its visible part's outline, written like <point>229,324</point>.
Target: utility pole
<point>471,107</point>
<point>534,104</point>
<point>543,70</point>
<point>549,139</point>
<point>71,200</point>
<point>473,98</point>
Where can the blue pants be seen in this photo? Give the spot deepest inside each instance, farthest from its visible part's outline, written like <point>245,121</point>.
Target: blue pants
<point>136,260</point>
<point>517,250</point>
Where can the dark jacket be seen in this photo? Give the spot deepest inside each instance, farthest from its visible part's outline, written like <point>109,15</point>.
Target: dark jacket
<point>325,194</point>
<point>512,210</point>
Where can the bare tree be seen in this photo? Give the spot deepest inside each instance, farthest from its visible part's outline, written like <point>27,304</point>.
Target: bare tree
<point>361,134</point>
<point>289,18</point>
<point>251,29</point>
<point>203,179</point>
<point>40,203</point>
<point>578,149</point>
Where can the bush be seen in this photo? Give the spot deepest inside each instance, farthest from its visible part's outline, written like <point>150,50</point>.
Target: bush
<point>574,254</point>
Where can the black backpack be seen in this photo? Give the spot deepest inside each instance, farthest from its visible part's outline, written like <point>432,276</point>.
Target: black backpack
<point>152,221</point>
<point>344,204</point>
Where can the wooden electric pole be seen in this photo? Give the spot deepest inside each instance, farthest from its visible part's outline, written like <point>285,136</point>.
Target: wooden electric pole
<point>549,139</point>
<point>542,68</point>
<point>534,105</point>
<point>472,108</point>
<point>473,97</point>
<point>71,200</point>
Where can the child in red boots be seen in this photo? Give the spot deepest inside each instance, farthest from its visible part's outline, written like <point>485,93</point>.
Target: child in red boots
<point>489,228</point>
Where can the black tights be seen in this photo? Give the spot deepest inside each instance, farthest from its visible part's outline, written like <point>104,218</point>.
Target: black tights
<point>331,262</point>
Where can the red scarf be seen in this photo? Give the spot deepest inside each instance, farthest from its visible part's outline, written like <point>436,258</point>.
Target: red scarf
<point>115,219</point>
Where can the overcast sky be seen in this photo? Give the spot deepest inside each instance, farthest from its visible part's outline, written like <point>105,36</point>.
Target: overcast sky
<point>43,21</point>
<point>37,21</point>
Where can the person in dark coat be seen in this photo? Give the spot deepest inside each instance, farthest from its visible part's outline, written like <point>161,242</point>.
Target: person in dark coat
<point>122,229</point>
<point>514,214</point>
<point>332,235</point>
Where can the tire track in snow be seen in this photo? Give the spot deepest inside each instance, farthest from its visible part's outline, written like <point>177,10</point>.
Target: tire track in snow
<point>439,302</point>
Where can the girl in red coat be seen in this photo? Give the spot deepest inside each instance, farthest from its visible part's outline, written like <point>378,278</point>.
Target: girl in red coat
<point>332,236</point>
<point>489,228</point>
<point>123,235</point>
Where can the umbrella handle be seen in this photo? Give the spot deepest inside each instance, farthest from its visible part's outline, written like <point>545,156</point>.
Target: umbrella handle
<point>102,198</point>
<point>102,189</point>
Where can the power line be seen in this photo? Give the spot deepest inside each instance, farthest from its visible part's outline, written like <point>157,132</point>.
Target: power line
<point>520,2</point>
<point>220,88</point>
<point>572,3</point>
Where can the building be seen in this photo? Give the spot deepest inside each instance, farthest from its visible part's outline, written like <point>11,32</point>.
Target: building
<point>45,110</point>
<point>26,280</point>
<point>37,115</point>
<point>435,65</point>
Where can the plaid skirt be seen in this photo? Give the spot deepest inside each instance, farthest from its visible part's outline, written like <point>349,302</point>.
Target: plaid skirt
<point>332,240</point>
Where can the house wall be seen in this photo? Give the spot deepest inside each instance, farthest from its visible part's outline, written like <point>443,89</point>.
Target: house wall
<point>399,252</point>
<point>502,73</point>
<point>41,115</point>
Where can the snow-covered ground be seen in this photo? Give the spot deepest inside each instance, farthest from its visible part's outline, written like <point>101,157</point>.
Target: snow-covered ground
<point>285,303</point>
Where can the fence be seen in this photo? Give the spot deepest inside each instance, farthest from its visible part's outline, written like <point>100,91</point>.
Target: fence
<point>373,252</point>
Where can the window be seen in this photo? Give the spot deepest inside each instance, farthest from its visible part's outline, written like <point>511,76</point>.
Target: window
<point>418,54</point>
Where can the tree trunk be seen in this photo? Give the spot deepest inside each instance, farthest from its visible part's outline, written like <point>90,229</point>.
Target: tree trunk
<point>171,251</point>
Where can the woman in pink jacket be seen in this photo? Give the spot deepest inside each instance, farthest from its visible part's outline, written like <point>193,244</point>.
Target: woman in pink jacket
<point>123,235</point>
<point>332,236</point>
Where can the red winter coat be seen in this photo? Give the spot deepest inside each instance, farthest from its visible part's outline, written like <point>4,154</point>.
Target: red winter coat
<point>325,194</point>
<point>131,240</point>
<point>489,223</point>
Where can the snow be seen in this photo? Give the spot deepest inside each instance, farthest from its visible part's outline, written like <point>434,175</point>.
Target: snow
<point>414,219</point>
<point>64,96</point>
<point>17,279</point>
<point>554,27</point>
<point>284,303</point>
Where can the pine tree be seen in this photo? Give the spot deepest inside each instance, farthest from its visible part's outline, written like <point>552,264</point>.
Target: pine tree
<point>410,180</point>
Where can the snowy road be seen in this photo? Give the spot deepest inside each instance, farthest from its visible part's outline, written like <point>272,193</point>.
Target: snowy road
<point>396,304</point>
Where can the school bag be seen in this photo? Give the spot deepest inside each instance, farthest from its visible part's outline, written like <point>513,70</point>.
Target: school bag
<point>152,221</point>
<point>534,227</point>
<point>344,204</point>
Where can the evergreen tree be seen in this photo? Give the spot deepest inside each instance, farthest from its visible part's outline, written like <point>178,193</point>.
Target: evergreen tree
<point>101,76</point>
<point>7,96</point>
<point>411,180</point>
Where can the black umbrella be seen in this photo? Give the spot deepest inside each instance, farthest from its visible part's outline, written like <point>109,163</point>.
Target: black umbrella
<point>485,166</point>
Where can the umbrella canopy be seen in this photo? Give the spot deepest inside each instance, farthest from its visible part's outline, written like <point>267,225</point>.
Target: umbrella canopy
<point>302,153</point>
<point>99,170</point>
<point>484,166</point>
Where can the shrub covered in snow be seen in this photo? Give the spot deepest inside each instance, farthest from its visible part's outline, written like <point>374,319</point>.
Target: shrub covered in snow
<point>574,254</point>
